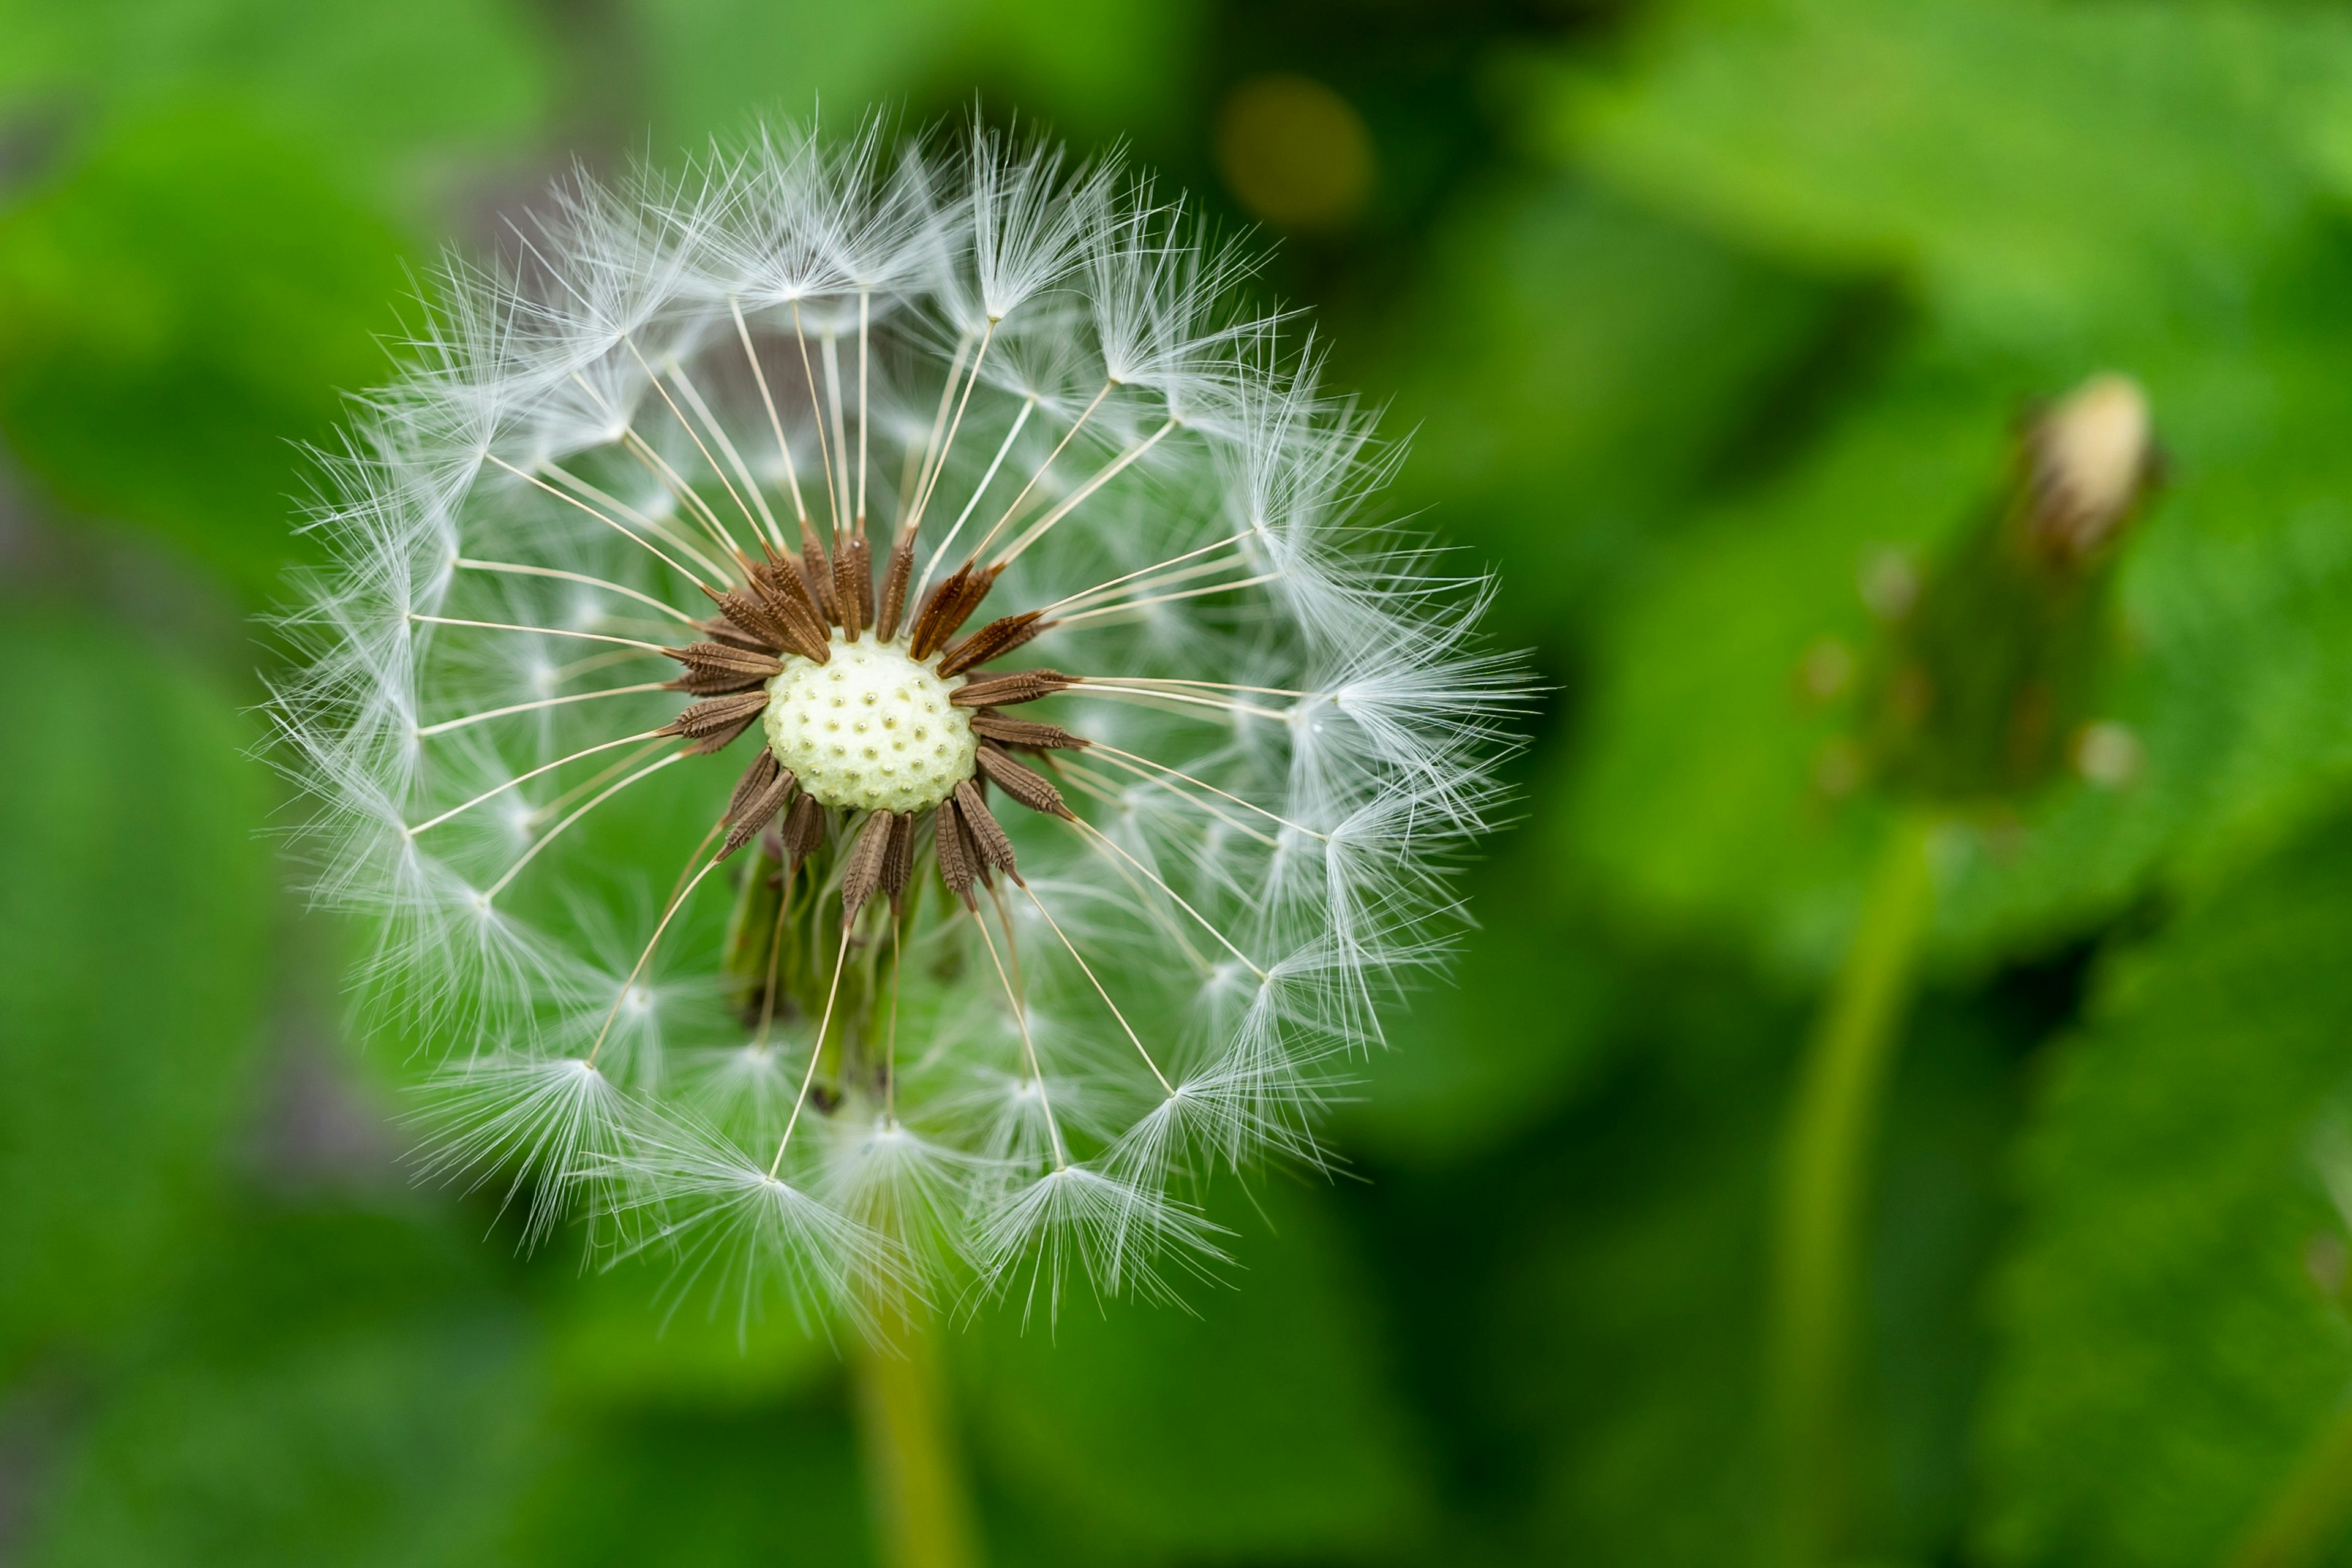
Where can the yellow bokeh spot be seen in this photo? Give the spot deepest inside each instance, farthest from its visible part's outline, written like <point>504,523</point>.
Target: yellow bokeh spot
<point>1294,152</point>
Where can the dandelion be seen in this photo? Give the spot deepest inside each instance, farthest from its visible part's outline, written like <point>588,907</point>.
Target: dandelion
<point>880,745</point>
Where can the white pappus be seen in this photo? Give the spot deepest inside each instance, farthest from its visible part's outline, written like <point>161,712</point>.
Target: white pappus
<point>859,696</point>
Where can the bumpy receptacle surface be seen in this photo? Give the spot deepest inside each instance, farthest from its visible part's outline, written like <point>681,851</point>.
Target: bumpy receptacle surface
<point>871,731</point>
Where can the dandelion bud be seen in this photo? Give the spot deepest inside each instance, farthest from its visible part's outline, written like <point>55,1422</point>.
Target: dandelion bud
<point>2090,457</point>
<point>1987,673</point>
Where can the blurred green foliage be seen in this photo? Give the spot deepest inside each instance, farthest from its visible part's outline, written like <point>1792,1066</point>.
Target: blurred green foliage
<point>2174,1306</point>
<point>2231,318</point>
<point>209,288</point>
<point>137,907</point>
<point>1713,319</point>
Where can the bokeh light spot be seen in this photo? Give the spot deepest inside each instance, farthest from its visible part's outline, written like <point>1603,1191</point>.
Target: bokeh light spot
<point>1294,153</point>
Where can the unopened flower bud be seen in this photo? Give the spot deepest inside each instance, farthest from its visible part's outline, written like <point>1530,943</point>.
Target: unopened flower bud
<point>2091,456</point>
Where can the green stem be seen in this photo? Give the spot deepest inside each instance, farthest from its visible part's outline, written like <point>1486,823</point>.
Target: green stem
<point>1823,1187</point>
<point>2307,1515</point>
<point>921,1507</point>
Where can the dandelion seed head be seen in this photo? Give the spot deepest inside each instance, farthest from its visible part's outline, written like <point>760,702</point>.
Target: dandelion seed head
<point>877,728</point>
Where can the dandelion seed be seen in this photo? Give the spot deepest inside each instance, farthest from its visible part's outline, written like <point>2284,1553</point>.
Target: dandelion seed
<point>835,465</point>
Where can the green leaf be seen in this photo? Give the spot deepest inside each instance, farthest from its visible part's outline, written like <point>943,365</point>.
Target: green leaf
<point>394,95</point>
<point>176,314</point>
<point>1572,369</point>
<point>1531,1014</point>
<point>1580,1307</point>
<point>2171,1338</point>
<point>2028,161</point>
<point>615,1340</point>
<point>1595,1314</point>
<point>660,1488</point>
<point>135,901</point>
<point>1258,1428</point>
<point>1701,792</point>
<point>2139,187</point>
<point>1096,70</point>
<point>333,1388</point>
<point>1707,795</point>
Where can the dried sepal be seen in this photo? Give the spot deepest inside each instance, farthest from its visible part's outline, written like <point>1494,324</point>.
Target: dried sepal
<point>959,858</point>
<point>898,860</point>
<point>719,628</point>
<point>923,638</point>
<point>804,831</point>
<point>1012,687</point>
<point>1027,732</point>
<point>714,669</point>
<point>993,640</point>
<point>862,873</point>
<point>951,603</point>
<point>761,773</point>
<point>714,714</point>
<point>747,817</point>
<point>752,616</point>
<point>990,844</point>
<point>1023,784</point>
<point>894,587</point>
<point>861,573</point>
<point>719,739</point>
<point>781,591</point>
<point>817,576</point>
<point>850,599</point>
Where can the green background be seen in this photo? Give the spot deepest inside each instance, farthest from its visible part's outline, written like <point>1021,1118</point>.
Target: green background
<point>1694,310</point>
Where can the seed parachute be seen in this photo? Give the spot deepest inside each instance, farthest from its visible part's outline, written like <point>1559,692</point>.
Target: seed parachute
<point>879,745</point>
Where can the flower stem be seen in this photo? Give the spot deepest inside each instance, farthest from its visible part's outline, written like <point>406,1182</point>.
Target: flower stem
<point>1824,1183</point>
<point>922,1508</point>
<point>2304,1519</point>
